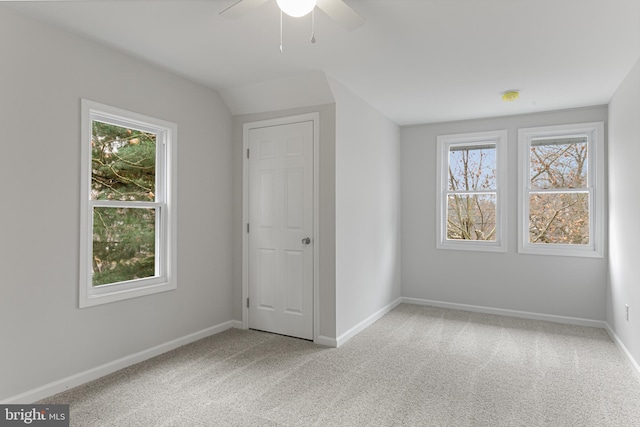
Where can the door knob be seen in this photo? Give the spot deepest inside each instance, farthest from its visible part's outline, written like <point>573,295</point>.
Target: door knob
<point>306,241</point>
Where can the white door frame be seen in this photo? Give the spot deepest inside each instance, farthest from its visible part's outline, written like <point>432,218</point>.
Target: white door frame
<point>315,117</point>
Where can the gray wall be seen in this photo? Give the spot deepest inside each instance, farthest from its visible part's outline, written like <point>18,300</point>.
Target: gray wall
<point>624,204</point>
<point>327,288</point>
<point>45,337</point>
<point>561,286</point>
<point>367,210</point>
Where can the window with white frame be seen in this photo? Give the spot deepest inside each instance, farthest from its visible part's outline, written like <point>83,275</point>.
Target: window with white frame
<point>471,202</point>
<point>128,227</point>
<point>561,201</point>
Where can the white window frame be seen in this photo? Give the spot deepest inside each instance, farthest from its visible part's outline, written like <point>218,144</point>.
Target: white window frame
<point>445,142</point>
<point>166,221</point>
<point>594,132</point>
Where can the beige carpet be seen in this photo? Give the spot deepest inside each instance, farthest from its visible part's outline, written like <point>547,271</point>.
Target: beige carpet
<point>417,366</point>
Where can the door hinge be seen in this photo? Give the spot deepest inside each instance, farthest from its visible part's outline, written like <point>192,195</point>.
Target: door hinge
<point>247,302</point>
<point>247,153</point>
<point>248,227</point>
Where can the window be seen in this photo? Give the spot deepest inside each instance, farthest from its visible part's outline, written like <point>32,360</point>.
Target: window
<point>471,204</point>
<point>128,227</point>
<point>561,183</point>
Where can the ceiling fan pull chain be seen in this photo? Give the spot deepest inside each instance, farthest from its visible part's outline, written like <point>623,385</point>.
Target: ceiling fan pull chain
<point>280,30</point>
<point>313,25</point>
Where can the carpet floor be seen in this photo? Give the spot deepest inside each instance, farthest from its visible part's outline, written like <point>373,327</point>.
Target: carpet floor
<point>417,366</point>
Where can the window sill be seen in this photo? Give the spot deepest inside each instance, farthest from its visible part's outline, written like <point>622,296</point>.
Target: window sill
<point>470,245</point>
<point>90,300</point>
<point>561,250</point>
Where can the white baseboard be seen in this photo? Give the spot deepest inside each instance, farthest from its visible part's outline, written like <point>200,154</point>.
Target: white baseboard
<point>366,323</point>
<point>235,324</point>
<point>75,380</point>
<point>504,312</point>
<point>328,341</point>
<point>616,339</point>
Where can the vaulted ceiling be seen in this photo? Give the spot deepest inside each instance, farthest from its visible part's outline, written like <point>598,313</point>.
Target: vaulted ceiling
<point>416,61</point>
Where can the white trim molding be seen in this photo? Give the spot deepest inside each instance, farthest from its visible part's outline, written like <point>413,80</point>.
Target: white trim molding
<point>616,339</point>
<point>315,118</point>
<point>326,341</point>
<point>595,188</point>
<point>80,378</point>
<point>163,204</point>
<point>495,141</point>
<point>366,323</point>
<point>601,324</point>
<point>506,312</point>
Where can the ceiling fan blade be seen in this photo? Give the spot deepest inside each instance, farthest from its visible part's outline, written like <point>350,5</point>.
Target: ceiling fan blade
<point>238,9</point>
<point>342,13</point>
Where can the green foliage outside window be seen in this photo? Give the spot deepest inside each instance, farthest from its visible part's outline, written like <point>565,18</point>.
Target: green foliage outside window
<point>123,169</point>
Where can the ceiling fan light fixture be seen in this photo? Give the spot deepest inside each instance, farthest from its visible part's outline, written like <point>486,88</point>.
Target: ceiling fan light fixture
<point>296,8</point>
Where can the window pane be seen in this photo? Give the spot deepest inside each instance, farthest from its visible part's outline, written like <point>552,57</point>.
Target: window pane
<point>471,217</point>
<point>472,168</point>
<point>559,163</point>
<point>559,218</point>
<point>123,244</point>
<point>123,163</point>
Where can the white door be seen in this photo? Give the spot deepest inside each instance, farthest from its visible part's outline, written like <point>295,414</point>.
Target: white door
<point>280,229</point>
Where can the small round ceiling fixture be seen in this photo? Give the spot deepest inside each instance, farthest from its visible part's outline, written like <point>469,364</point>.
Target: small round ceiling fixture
<point>296,8</point>
<point>511,95</point>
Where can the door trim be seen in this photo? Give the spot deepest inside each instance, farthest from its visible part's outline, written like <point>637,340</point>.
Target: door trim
<point>315,118</point>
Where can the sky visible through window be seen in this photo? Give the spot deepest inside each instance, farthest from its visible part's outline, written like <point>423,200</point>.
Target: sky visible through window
<point>472,167</point>
<point>471,205</point>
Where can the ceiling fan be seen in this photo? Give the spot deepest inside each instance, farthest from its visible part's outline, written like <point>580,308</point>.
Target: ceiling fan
<point>338,10</point>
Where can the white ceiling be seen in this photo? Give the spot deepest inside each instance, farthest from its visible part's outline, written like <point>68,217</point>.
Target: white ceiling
<point>416,61</point>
